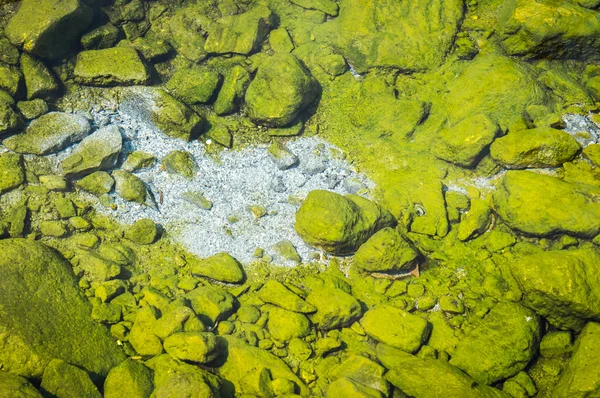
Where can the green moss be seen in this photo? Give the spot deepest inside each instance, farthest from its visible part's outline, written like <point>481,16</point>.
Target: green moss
<point>180,162</point>
<point>97,183</point>
<point>232,91</point>
<point>61,378</point>
<point>175,118</point>
<point>32,109</point>
<point>276,293</point>
<point>10,79</point>
<point>193,85</point>
<point>143,232</point>
<point>12,173</point>
<point>192,346</point>
<point>104,36</point>
<point>221,267</point>
<point>476,221</point>
<point>387,250</point>
<point>130,378</point>
<point>285,325</point>
<point>280,41</point>
<point>130,187</point>
<point>110,67</point>
<point>39,81</point>
<point>211,303</point>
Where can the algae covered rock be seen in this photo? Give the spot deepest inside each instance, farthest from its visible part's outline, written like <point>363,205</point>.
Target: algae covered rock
<point>131,379</point>
<point>281,89</point>
<point>363,371</point>
<point>562,286</point>
<point>582,376</point>
<point>335,308</point>
<point>542,205</point>
<point>193,85</point>
<point>104,36</point>
<point>13,386</point>
<point>221,267</point>
<point>197,347</point>
<point>180,162</point>
<point>98,151</point>
<point>130,187</point>
<point>535,148</point>
<point>10,79</point>
<point>39,81</point>
<point>476,221</point>
<point>345,387</point>
<point>339,224</point>
<point>232,90</point>
<point>174,118</point>
<point>387,250</point>
<point>172,376</point>
<point>143,232</point>
<point>286,325</point>
<point>501,346</point>
<point>51,318</point>
<point>274,292</point>
<point>48,28</point>
<point>32,109</point>
<point>211,303</point>
<point>395,327</point>
<point>118,66</point>
<point>97,183</point>
<point>62,379</point>
<point>12,173</point>
<point>49,133</point>
<point>464,142</point>
<point>9,119</point>
<point>141,336</point>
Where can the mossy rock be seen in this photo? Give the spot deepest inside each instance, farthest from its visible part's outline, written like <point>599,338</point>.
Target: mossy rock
<point>174,118</point>
<point>138,160</point>
<point>50,133</point>
<point>501,346</point>
<point>280,41</point>
<point>274,292</point>
<point>141,336</point>
<point>241,33</point>
<point>463,143</point>
<point>281,89</point>
<point>194,85</point>
<point>199,347</point>
<point>10,79</point>
<point>286,325</point>
<point>386,251</point>
<point>16,386</point>
<point>345,387</point>
<point>12,172</point>
<point>131,379</point>
<point>97,183</point>
<point>56,321</point>
<point>186,36</point>
<point>96,152</point>
<point>211,303</point>
<point>63,379</point>
<point>130,187</point>
<point>180,162</point>
<point>364,371</point>
<point>339,224</point>
<point>221,267</point>
<point>9,119</point>
<point>535,148</point>
<point>104,36</point>
<point>117,66</point>
<point>476,221</point>
<point>9,54</point>
<point>39,81</point>
<point>32,109</point>
<point>143,232</point>
<point>47,28</point>
<point>542,205</point>
<point>561,285</point>
<point>232,90</point>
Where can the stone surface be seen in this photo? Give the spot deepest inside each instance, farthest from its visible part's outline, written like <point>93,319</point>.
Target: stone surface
<point>130,187</point>
<point>281,88</point>
<point>143,232</point>
<point>192,346</point>
<point>12,173</point>
<point>174,118</point>
<point>335,308</point>
<point>475,221</point>
<point>48,28</point>
<point>221,267</point>
<point>181,163</point>
<point>274,292</point>
<point>32,109</point>
<point>49,133</point>
<point>98,151</point>
<point>9,119</point>
<point>131,379</point>
<point>51,319</point>
<point>282,157</point>
<point>104,36</point>
<point>16,386</point>
<point>364,371</point>
<point>97,183</point>
<point>232,90</point>
<point>395,327</point>
<point>64,380</point>
<point>39,81</point>
<point>501,346</point>
<point>286,325</point>
<point>561,286</point>
<point>542,205</point>
<point>10,79</point>
<point>387,250</point>
<point>194,85</point>
<point>339,224</point>
<point>211,303</point>
<point>118,66</point>
<point>171,375</point>
<point>535,148</point>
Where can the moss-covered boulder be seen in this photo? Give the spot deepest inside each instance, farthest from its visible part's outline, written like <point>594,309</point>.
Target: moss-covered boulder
<point>131,379</point>
<point>98,151</point>
<point>48,28</point>
<point>194,85</point>
<point>130,187</point>
<point>180,162</point>
<point>138,160</point>
<point>339,224</point>
<point>335,308</point>
<point>49,133</point>
<point>186,32</point>
<point>274,292</point>
<point>535,148</point>
<point>16,386</point>
<point>425,377</point>
<point>221,267</point>
<point>241,33</point>
<point>199,347</point>
<point>104,36</point>
<point>143,232</point>
<point>395,327</point>
<point>284,325</point>
<point>280,41</point>
<point>39,81</point>
<point>387,250</point>
<point>174,118</point>
<point>572,33</point>
<point>476,221</point>
<point>12,172</point>
<point>97,183</point>
<point>118,66</point>
<point>32,109</point>
<point>501,346</point>
<point>281,89</point>
<point>242,358</point>
<point>61,379</point>
<point>562,286</point>
<point>172,376</point>
<point>45,315</point>
<point>543,205</point>
<point>463,143</point>
<point>582,376</point>
<point>141,337</point>
<point>9,54</point>
<point>211,303</point>
<point>10,79</point>
<point>9,119</point>
<point>408,36</point>
<point>232,90</point>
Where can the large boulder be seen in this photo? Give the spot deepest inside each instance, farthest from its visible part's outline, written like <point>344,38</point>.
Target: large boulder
<point>194,85</point>
<point>44,314</point>
<point>48,28</point>
<point>118,66</point>
<point>501,345</point>
<point>542,205</point>
<point>562,286</point>
<point>281,89</point>
<point>49,133</point>
<point>412,36</point>
<point>61,379</point>
<point>13,386</point>
<point>582,376</point>
<point>131,379</point>
<point>534,148</point>
<point>339,224</point>
<point>556,29</point>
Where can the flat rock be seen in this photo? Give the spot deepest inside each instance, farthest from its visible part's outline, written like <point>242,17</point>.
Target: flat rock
<point>117,66</point>
<point>98,151</point>
<point>175,118</point>
<point>50,133</point>
<point>274,292</point>
<point>221,267</point>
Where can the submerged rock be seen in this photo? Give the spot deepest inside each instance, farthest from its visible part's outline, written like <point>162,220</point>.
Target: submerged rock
<point>171,375</point>
<point>97,183</point>
<point>386,251</point>
<point>181,163</point>
<point>98,151</point>
<point>118,66</point>
<point>221,267</point>
<point>274,292</point>
<point>12,172</point>
<point>542,205</point>
<point>39,81</point>
<point>335,308</point>
<point>51,317</point>
<point>9,119</point>
<point>49,133</point>
<point>130,187</point>
<point>281,89</point>
<point>62,379</point>
<point>193,85</point>
<point>286,325</point>
<point>17,386</point>
<point>232,90</point>
<point>535,148</point>
<point>131,379</point>
<point>395,327</point>
<point>48,28</point>
<point>197,347</point>
<point>211,303</point>
<point>339,224</point>
<point>562,286</point>
<point>174,118</point>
